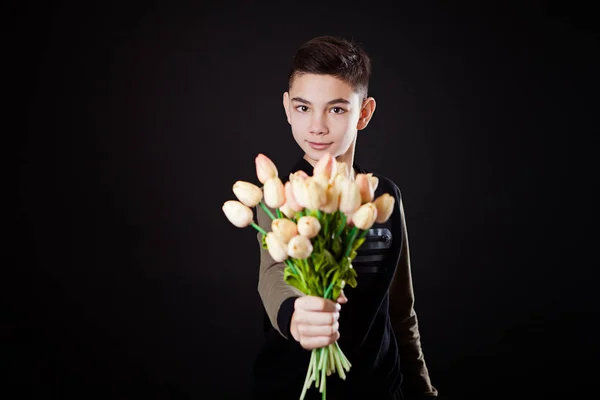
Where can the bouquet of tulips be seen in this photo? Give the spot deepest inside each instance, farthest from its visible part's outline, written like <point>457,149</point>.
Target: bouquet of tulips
<point>318,223</point>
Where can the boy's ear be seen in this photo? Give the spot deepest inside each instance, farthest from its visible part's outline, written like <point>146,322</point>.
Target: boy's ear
<point>286,106</point>
<point>366,113</point>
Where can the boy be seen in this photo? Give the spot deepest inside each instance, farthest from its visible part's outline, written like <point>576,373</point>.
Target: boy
<point>326,105</point>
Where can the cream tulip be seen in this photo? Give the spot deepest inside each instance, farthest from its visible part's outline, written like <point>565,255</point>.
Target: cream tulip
<point>290,200</point>
<point>299,190</point>
<point>237,213</point>
<point>277,249</point>
<point>350,198</point>
<point>247,193</point>
<point>299,247</point>
<point>287,211</point>
<point>265,168</point>
<point>365,216</point>
<point>385,207</point>
<point>374,182</point>
<point>341,169</point>
<point>333,199</point>
<point>316,194</point>
<point>274,192</point>
<point>284,229</point>
<point>326,166</point>
<point>366,189</point>
<point>309,226</point>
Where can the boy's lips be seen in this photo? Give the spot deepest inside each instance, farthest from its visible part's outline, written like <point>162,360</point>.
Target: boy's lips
<point>319,145</point>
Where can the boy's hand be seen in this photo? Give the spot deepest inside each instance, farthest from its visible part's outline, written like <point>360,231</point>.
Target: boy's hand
<point>315,321</point>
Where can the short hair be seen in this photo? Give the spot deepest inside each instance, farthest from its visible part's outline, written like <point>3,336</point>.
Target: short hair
<point>336,56</point>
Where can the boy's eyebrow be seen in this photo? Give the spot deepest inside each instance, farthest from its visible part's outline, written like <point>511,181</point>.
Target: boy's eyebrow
<point>330,102</point>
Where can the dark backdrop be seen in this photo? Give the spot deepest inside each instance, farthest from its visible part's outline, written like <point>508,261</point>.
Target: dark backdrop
<point>141,117</point>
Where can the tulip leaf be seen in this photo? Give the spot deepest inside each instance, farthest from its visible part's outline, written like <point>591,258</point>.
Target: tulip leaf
<point>328,257</point>
<point>336,246</point>
<point>350,277</point>
<point>357,243</point>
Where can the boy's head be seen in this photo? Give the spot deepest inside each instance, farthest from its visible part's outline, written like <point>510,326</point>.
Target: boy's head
<point>326,102</point>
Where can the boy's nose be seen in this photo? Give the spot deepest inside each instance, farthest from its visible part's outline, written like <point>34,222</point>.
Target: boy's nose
<point>317,127</point>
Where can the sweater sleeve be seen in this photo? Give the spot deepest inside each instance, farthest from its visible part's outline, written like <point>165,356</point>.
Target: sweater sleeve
<point>417,383</point>
<point>276,295</point>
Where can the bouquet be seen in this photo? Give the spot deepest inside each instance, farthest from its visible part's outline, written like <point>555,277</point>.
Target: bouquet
<point>318,223</point>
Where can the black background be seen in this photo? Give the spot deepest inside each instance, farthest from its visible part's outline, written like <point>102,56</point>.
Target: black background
<point>140,117</point>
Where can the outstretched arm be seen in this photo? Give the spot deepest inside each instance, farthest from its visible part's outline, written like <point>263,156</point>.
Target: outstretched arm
<point>277,296</point>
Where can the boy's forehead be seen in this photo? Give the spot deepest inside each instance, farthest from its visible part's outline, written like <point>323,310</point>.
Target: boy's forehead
<point>321,87</point>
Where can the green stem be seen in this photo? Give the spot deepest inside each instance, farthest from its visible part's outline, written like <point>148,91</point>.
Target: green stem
<point>264,207</point>
<point>279,213</point>
<point>351,238</point>
<point>328,290</point>
<point>363,234</point>
<point>342,224</point>
<point>258,228</point>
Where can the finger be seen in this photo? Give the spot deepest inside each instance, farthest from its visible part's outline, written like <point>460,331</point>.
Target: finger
<point>314,303</point>
<point>315,317</point>
<point>306,330</point>
<point>310,343</point>
<point>342,299</point>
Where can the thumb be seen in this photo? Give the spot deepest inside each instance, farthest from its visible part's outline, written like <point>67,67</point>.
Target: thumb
<point>342,299</point>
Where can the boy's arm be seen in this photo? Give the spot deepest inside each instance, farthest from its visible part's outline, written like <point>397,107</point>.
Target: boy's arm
<point>417,383</point>
<point>277,296</point>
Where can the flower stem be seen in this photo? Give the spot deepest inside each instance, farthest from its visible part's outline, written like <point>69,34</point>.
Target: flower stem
<point>258,228</point>
<point>264,207</point>
<point>326,294</point>
<point>309,375</point>
<point>351,237</point>
<point>279,213</point>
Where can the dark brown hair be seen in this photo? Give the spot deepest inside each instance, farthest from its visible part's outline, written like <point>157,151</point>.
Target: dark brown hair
<point>329,55</point>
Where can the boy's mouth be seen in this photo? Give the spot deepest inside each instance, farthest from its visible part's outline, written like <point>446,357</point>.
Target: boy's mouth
<point>319,146</point>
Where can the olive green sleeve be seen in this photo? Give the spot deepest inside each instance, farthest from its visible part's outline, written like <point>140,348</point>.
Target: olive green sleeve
<point>405,323</point>
<point>273,290</point>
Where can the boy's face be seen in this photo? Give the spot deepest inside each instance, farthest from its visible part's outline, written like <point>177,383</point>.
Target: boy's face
<point>325,114</point>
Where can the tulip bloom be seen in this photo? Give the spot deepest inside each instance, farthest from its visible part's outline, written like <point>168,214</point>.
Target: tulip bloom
<point>326,166</point>
<point>309,226</point>
<point>365,216</point>
<point>284,229</point>
<point>247,193</point>
<point>332,201</point>
<point>367,184</point>
<point>265,168</point>
<point>274,192</point>
<point>316,194</point>
<point>299,247</point>
<point>385,207</point>
<point>350,198</point>
<point>287,211</point>
<point>237,213</point>
<point>290,200</point>
<point>299,190</point>
<point>277,249</point>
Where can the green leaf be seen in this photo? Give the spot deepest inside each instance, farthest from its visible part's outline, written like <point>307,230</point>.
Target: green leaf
<point>329,257</point>
<point>318,260</point>
<point>357,243</point>
<point>336,247</point>
<point>350,277</point>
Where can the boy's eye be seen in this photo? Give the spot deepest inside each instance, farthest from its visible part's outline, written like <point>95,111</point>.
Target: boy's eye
<point>302,108</point>
<point>338,110</point>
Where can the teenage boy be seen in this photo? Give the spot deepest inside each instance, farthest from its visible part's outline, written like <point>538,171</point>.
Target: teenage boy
<point>326,105</point>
